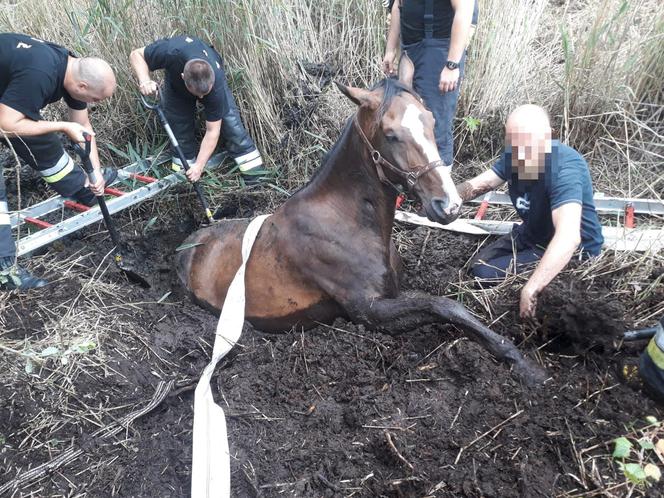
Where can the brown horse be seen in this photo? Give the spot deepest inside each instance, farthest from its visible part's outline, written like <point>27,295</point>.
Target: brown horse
<point>327,252</point>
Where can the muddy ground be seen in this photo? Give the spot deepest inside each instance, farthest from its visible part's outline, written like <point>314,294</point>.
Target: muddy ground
<point>331,412</point>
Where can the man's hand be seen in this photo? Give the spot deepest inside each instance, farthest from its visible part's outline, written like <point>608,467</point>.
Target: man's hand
<point>194,172</point>
<point>75,131</point>
<point>389,68</point>
<point>448,80</point>
<point>148,87</point>
<point>97,187</point>
<point>528,304</point>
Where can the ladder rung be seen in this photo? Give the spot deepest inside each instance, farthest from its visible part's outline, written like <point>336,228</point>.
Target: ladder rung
<point>76,206</point>
<point>36,222</point>
<point>113,191</point>
<point>142,178</point>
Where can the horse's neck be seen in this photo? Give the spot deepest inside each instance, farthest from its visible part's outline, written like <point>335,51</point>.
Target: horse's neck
<point>349,183</point>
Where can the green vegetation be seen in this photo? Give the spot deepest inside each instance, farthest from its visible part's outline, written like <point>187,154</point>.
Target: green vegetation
<point>598,66</point>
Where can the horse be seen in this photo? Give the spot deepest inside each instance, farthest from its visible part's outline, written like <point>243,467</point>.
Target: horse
<point>328,252</point>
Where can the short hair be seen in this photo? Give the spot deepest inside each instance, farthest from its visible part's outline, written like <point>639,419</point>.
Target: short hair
<point>96,72</point>
<point>198,76</point>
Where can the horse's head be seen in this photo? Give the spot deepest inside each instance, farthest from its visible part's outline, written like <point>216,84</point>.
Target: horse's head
<point>397,130</point>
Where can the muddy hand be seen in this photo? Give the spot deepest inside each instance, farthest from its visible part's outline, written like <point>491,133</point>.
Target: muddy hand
<point>388,64</point>
<point>527,303</point>
<point>449,79</point>
<point>76,132</point>
<point>98,186</point>
<point>148,88</point>
<point>194,172</point>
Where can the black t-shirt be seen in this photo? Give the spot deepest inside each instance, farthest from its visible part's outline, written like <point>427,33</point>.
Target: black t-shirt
<point>32,74</point>
<point>412,19</point>
<point>171,54</point>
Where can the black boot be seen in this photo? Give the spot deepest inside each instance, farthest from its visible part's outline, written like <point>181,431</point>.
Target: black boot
<point>16,277</point>
<point>85,195</point>
<point>255,176</point>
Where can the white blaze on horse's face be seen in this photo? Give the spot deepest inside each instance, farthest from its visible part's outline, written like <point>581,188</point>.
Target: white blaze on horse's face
<point>412,122</point>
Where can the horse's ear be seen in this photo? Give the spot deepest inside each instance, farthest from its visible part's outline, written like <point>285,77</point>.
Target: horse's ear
<point>406,71</point>
<point>359,95</point>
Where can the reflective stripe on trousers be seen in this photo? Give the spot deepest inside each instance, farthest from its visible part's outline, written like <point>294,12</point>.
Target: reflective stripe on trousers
<point>4,214</point>
<point>62,168</point>
<point>249,161</point>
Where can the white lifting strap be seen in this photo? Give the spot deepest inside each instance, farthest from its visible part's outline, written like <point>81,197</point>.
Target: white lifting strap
<point>210,468</point>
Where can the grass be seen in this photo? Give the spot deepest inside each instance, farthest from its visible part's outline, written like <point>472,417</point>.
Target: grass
<point>583,61</point>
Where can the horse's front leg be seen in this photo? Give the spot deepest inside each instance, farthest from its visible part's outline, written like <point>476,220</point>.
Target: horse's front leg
<point>405,313</point>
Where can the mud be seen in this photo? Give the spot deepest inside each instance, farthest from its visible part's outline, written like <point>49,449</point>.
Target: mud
<point>337,410</point>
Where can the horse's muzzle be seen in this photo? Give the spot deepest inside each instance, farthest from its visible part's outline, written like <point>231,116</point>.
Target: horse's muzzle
<point>441,211</point>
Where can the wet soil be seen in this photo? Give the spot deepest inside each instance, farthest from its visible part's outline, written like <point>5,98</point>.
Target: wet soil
<point>334,411</point>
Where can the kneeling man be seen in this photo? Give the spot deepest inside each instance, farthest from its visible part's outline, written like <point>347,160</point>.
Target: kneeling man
<point>194,71</point>
<point>550,187</point>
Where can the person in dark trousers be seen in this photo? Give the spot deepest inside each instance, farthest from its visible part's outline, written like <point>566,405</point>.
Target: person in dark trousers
<point>651,364</point>
<point>33,74</point>
<point>434,36</point>
<point>550,187</point>
<point>647,373</point>
<point>195,71</point>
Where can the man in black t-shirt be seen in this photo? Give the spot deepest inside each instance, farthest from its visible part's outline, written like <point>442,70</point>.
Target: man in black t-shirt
<point>432,35</point>
<point>195,71</point>
<point>33,74</point>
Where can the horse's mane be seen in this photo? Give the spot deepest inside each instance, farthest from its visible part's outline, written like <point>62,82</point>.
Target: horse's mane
<point>391,88</point>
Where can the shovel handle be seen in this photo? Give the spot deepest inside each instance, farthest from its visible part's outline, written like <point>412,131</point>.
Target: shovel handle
<point>84,154</point>
<point>178,151</point>
<point>637,335</point>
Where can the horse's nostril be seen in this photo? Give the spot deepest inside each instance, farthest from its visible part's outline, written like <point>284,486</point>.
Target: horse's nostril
<point>440,206</point>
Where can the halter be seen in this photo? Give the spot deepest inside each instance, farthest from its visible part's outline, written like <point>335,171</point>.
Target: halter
<point>411,177</point>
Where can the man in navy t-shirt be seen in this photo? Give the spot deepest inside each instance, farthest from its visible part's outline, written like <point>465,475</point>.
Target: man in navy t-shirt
<point>195,71</point>
<point>550,187</point>
<point>33,74</point>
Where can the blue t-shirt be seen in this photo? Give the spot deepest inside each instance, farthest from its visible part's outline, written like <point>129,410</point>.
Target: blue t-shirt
<point>566,179</point>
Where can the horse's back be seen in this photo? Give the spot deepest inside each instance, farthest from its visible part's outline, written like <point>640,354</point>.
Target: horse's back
<point>278,295</point>
<point>209,259</point>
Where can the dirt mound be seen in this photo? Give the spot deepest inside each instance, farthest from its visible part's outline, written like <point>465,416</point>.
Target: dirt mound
<point>334,411</point>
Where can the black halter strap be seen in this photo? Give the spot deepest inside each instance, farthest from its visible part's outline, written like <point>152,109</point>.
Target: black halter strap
<point>411,177</point>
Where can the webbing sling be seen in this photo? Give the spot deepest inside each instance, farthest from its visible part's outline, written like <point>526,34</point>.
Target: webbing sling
<point>428,18</point>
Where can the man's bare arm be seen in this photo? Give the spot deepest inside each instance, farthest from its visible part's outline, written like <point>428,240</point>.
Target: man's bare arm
<point>393,36</point>
<point>566,239</point>
<point>16,124</point>
<point>480,185</point>
<point>146,84</point>
<point>463,17</point>
<point>209,143</point>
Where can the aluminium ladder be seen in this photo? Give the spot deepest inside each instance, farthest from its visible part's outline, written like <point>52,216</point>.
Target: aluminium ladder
<point>50,232</point>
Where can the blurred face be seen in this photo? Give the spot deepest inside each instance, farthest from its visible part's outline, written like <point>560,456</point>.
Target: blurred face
<point>529,150</point>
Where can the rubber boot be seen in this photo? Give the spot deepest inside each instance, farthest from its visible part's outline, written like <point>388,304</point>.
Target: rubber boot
<point>16,277</point>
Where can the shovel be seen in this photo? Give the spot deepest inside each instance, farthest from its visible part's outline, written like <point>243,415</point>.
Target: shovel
<point>174,142</point>
<point>647,333</point>
<point>124,263</point>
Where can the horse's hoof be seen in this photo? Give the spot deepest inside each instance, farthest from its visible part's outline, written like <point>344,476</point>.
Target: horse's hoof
<point>529,373</point>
